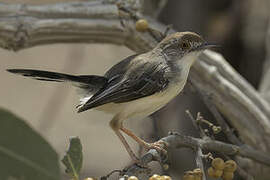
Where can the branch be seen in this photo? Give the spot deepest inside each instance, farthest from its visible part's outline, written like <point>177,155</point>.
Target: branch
<point>176,140</point>
<point>234,98</point>
<point>224,127</point>
<point>221,121</point>
<point>265,85</point>
<point>23,26</point>
<point>199,162</point>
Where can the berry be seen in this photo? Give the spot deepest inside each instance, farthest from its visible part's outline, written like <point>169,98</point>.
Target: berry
<point>218,163</point>
<point>166,178</point>
<point>155,177</point>
<point>197,174</point>
<point>132,178</point>
<point>230,166</point>
<point>141,25</point>
<point>197,171</point>
<point>189,175</point>
<point>227,175</point>
<point>216,129</point>
<point>166,167</point>
<point>214,173</point>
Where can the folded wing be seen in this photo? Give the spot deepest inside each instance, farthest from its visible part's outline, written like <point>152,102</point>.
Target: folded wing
<point>145,80</point>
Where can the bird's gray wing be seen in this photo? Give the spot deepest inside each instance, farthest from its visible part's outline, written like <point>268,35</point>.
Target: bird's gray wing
<point>144,80</point>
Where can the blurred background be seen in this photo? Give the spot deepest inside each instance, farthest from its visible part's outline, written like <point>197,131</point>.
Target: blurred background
<point>238,26</point>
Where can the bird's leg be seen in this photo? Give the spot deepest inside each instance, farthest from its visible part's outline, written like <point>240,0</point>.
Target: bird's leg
<point>115,125</point>
<point>156,145</point>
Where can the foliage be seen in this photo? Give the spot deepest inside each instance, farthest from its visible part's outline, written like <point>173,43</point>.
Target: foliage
<point>73,158</point>
<point>24,154</point>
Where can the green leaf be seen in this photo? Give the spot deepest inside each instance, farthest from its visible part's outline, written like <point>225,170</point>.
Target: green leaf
<point>73,158</point>
<point>24,154</point>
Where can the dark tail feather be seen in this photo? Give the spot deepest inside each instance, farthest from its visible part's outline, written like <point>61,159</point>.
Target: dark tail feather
<point>84,81</point>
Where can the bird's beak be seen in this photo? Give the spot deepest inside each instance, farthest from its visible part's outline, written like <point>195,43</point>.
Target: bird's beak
<point>206,46</point>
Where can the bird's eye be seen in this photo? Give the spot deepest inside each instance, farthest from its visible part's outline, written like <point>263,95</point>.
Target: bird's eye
<point>185,45</point>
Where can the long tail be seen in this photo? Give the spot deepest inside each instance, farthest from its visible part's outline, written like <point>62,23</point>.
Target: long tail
<point>82,81</point>
<point>87,84</point>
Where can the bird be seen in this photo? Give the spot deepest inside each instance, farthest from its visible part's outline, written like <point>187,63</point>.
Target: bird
<point>137,86</point>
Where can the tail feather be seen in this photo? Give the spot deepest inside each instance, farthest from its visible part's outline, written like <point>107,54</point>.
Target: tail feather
<point>84,80</point>
<point>89,84</point>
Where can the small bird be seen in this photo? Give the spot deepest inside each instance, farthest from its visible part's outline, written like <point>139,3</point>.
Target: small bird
<point>137,86</point>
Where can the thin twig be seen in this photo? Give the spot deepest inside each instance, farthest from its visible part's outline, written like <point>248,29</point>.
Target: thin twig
<point>219,118</point>
<point>221,121</point>
<point>195,124</point>
<point>199,162</point>
<point>177,140</point>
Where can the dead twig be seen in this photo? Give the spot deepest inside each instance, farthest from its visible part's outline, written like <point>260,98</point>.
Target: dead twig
<point>177,140</point>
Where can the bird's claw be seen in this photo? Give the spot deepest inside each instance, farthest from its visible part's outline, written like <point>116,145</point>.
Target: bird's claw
<point>159,146</point>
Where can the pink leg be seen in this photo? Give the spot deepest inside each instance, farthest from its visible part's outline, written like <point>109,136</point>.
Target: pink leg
<point>157,145</point>
<point>115,124</point>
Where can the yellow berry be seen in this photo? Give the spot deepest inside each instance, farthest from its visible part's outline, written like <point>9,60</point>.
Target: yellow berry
<point>166,177</point>
<point>189,176</point>
<point>230,166</point>
<point>218,163</point>
<point>227,175</point>
<point>166,166</point>
<point>141,25</point>
<point>211,172</point>
<point>89,178</point>
<point>216,129</point>
<point>197,174</point>
<point>155,177</point>
<point>132,178</point>
<point>197,171</point>
<point>218,172</point>
<point>214,173</point>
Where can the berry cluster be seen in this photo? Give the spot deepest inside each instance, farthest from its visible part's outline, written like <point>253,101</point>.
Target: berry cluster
<point>196,174</point>
<point>218,169</point>
<point>154,177</point>
<point>222,169</point>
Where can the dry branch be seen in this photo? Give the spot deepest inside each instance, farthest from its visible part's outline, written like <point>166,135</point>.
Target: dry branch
<point>176,140</point>
<point>23,26</point>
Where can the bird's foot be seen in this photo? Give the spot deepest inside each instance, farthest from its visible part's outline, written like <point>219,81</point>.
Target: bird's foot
<point>160,146</point>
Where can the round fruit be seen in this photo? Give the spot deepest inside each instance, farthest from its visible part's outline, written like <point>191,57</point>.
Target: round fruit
<point>227,176</point>
<point>197,171</point>
<point>166,178</point>
<point>132,178</point>
<point>141,25</point>
<point>218,163</point>
<point>189,175</point>
<point>198,174</point>
<point>230,166</point>
<point>166,167</point>
<point>155,177</point>
<point>214,173</point>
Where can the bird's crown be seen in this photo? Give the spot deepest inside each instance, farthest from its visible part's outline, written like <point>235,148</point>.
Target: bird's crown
<point>184,41</point>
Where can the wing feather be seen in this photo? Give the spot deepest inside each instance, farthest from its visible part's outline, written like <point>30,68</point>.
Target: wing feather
<point>145,80</point>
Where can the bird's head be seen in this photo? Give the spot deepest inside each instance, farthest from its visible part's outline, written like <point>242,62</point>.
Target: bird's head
<point>182,47</point>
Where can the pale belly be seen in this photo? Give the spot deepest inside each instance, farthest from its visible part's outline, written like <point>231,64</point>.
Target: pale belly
<point>144,106</point>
